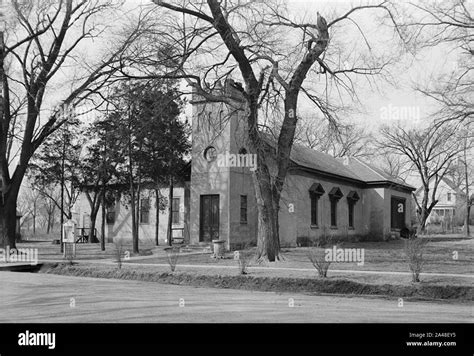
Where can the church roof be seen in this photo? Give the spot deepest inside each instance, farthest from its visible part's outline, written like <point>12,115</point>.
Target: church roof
<point>348,168</point>
<point>319,161</point>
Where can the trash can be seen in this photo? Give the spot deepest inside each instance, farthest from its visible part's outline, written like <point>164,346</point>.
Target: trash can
<point>218,248</point>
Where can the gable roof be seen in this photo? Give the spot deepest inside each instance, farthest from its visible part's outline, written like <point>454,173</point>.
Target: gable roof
<point>370,173</point>
<point>449,183</point>
<point>309,158</point>
<point>349,168</point>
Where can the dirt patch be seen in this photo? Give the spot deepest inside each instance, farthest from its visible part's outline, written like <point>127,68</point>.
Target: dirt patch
<point>274,284</point>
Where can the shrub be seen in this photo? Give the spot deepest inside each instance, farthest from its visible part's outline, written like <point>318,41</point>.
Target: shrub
<point>172,253</point>
<point>317,254</point>
<point>317,257</point>
<point>414,253</point>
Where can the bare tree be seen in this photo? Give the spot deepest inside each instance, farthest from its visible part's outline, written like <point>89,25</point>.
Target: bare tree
<point>462,174</point>
<point>336,140</point>
<point>432,151</point>
<point>449,26</point>
<point>274,53</point>
<point>395,165</point>
<point>43,39</point>
<point>49,208</point>
<point>29,203</point>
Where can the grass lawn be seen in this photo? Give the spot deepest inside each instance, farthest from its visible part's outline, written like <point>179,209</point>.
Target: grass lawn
<point>378,256</point>
<point>293,272</point>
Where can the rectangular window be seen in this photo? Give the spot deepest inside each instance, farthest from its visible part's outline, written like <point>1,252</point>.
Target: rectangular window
<point>314,209</point>
<point>333,212</point>
<point>145,211</point>
<point>351,213</point>
<point>175,211</point>
<point>243,209</point>
<point>110,214</point>
<point>449,196</point>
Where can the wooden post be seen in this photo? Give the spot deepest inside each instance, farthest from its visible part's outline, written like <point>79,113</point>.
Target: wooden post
<point>170,213</point>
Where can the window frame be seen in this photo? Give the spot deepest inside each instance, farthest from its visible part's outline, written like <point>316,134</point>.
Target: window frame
<point>315,192</point>
<point>314,201</point>
<point>334,196</point>
<point>145,211</point>
<point>175,213</point>
<point>352,199</point>
<point>333,210</point>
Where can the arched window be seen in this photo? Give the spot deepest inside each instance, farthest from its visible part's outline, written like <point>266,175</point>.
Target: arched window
<point>352,199</point>
<point>334,196</point>
<point>315,193</point>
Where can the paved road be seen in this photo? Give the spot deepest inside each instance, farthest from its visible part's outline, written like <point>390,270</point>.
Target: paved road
<point>33,297</point>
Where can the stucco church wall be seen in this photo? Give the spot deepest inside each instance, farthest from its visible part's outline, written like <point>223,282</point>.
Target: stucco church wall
<point>295,211</point>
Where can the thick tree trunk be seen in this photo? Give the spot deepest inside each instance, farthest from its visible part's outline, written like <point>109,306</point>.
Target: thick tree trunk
<point>268,243</point>
<point>92,226</point>
<point>268,233</point>
<point>268,240</point>
<point>8,213</point>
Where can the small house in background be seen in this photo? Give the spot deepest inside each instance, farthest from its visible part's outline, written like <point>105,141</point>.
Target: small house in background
<point>450,209</point>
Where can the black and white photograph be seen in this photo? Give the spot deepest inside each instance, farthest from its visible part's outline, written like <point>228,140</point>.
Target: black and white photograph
<point>207,172</point>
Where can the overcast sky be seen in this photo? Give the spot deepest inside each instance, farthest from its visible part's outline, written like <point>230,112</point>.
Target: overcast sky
<point>378,105</point>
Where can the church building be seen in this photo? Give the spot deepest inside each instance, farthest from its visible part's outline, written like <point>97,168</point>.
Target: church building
<point>323,196</point>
